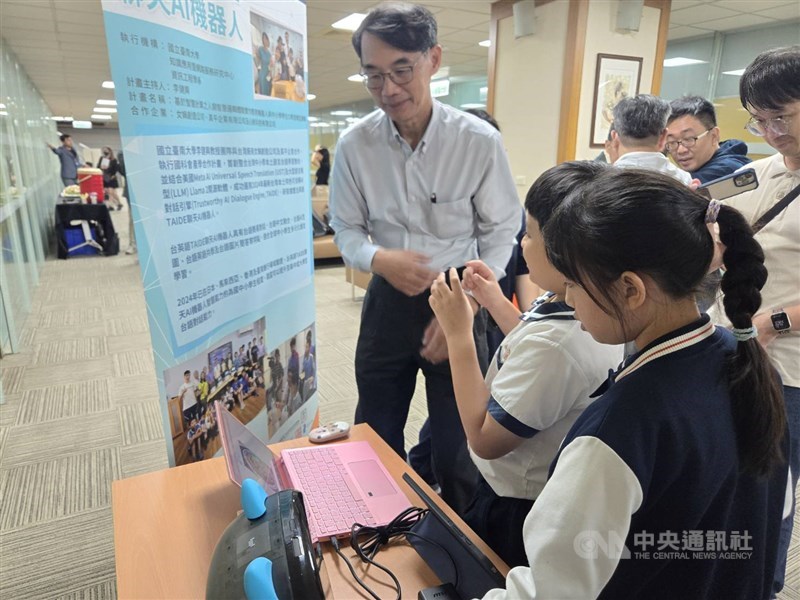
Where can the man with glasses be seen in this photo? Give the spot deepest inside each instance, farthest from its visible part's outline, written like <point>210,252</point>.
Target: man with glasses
<point>417,187</point>
<point>770,92</point>
<point>693,140</point>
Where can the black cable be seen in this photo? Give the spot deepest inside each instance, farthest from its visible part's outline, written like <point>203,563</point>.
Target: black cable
<point>346,560</point>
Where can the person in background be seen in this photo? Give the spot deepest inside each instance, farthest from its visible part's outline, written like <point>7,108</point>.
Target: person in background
<point>322,161</point>
<point>693,140</point>
<point>770,91</point>
<point>640,132</point>
<point>70,160</point>
<point>688,438</point>
<point>452,169</point>
<point>609,154</point>
<point>110,167</point>
<point>187,395</point>
<point>126,193</point>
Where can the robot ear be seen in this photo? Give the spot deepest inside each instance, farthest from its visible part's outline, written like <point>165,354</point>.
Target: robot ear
<point>254,499</point>
<point>258,584</point>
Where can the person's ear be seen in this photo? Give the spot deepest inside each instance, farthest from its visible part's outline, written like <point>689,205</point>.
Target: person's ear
<point>632,290</point>
<point>714,133</point>
<point>436,58</point>
<point>662,140</point>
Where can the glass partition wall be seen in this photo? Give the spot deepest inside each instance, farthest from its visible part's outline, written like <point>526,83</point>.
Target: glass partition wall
<point>29,184</point>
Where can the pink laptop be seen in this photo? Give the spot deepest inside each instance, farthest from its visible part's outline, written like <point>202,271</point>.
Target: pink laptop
<point>342,483</point>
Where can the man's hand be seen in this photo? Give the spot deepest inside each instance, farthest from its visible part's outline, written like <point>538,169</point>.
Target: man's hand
<point>434,343</point>
<point>405,270</point>
<point>480,281</point>
<point>766,331</point>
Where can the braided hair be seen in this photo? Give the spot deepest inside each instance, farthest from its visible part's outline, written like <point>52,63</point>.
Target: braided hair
<point>646,222</point>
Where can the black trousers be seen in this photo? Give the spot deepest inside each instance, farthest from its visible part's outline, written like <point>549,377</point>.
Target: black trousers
<point>387,362</point>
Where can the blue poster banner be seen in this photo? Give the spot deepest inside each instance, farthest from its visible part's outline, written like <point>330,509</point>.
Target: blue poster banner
<point>213,115</point>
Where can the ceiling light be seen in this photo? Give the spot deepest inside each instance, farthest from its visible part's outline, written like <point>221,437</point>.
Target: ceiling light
<point>737,72</point>
<point>2,106</point>
<point>352,119</point>
<point>680,61</point>
<point>342,113</point>
<point>102,102</point>
<point>313,119</point>
<point>350,22</point>
<point>3,113</point>
<point>322,124</point>
<point>473,105</point>
<point>311,96</point>
<point>57,118</point>
<point>357,78</point>
<point>104,109</point>
<point>101,117</point>
<point>68,119</point>
<point>485,43</point>
<point>82,124</point>
<point>108,85</point>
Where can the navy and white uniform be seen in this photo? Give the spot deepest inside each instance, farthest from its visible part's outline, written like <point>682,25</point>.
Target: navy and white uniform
<point>652,467</point>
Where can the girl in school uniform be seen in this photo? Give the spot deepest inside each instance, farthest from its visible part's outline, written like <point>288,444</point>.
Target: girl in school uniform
<point>673,483</point>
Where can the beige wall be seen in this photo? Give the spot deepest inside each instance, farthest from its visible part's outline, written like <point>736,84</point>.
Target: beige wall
<point>602,39</point>
<point>527,95</point>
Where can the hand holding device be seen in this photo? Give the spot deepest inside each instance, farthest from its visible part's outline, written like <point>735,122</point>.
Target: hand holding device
<point>730,185</point>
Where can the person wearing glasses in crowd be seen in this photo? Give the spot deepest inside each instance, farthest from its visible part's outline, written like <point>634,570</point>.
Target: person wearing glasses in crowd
<point>417,187</point>
<point>639,135</point>
<point>693,141</point>
<point>770,91</point>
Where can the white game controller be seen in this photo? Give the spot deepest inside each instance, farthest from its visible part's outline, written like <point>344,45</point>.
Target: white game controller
<point>329,432</point>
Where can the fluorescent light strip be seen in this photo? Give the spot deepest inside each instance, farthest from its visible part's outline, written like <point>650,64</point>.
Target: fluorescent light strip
<point>109,85</point>
<point>104,109</point>
<point>485,43</point>
<point>342,113</point>
<point>350,22</point>
<point>101,117</point>
<point>680,61</point>
<point>102,102</point>
<point>737,72</point>
<point>311,96</point>
<point>356,78</point>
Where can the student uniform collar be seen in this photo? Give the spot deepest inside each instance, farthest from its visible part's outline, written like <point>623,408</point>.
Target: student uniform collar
<point>675,341</point>
<point>544,309</point>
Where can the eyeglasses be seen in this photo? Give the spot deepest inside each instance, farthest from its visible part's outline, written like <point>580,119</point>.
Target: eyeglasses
<point>687,143</point>
<point>398,75</point>
<point>777,125</point>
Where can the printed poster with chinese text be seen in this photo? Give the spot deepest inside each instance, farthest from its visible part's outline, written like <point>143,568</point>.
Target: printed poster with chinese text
<point>213,117</point>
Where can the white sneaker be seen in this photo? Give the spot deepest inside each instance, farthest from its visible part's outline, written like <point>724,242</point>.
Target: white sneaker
<point>130,250</point>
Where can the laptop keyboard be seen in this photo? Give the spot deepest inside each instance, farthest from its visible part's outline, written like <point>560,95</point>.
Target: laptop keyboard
<point>332,502</point>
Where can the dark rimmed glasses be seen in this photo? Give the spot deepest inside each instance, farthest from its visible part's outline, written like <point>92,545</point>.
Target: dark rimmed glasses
<point>399,75</point>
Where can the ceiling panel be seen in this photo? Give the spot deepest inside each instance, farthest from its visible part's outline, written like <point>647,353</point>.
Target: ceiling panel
<point>782,13</point>
<point>696,15</point>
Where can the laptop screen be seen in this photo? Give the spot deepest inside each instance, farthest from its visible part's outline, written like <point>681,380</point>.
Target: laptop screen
<point>245,455</point>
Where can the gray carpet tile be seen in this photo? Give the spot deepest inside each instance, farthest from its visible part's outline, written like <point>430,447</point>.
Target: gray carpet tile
<point>138,362</point>
<point>143,458</point>
<point>64,554</point>
<point>140,423</point>
<point>71,350</point>
<point>45,335</point>
<point>103,590</point>
<point>129,342</point>
<point>127,326</point>
<point>44,441</point>
<point>133,389</point>
<point>3,436</point>
<point>12,378</point>
<point>66,373</point>
<point>122,300</point>
<point>58,402</point>
<point>80,316</point>
<point>9,409</point>
<point>56,488</point>
<point>67,293</point>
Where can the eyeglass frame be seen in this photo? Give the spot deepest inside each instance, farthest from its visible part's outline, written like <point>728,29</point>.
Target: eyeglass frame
<point>682,142</point>
<point>383,75</point>
<point>753,123</point>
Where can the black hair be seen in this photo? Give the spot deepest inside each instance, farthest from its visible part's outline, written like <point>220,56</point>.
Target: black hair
<point>641,118</point>
<point>694,106</point>
<point>407,27</point>
<point>187,372</point>
<point>555,184</point>
<point>326,157</point>
<point>64,136</point>
<point>631,220</point>
<point>772,80</point>
<point>293,342</point>
<point>483,116</point>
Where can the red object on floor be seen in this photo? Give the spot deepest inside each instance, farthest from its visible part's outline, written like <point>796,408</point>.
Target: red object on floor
<point>91,180</point>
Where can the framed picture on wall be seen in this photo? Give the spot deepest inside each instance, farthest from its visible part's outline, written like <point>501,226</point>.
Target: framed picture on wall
<point>616,78</point>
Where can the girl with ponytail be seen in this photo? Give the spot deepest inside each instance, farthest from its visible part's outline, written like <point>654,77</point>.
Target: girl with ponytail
<point>683,454</point>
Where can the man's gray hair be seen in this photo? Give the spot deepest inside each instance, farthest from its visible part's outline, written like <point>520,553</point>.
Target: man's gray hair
<point>641,118</point>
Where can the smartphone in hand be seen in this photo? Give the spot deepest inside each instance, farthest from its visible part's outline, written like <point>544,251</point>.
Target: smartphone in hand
<point>730,185</point>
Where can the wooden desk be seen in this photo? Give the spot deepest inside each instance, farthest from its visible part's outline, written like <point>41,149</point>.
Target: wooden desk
<point>167,523</point>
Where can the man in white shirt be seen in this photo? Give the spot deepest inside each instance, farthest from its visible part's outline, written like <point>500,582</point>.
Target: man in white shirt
<point>640,133</point>
<point>770,91</point>
<point>188,397</point>
<point>417,187</point>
